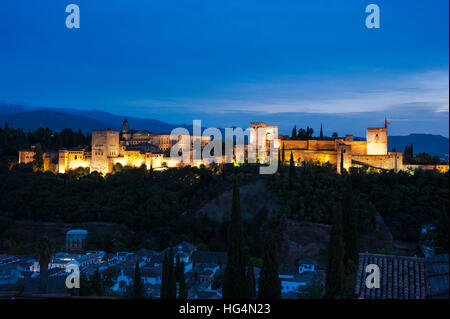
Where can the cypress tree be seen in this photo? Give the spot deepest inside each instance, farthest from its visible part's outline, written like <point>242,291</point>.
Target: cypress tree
<point>234,276</point>
<point>45,249</point>
<point>164,278</point>
<point>96,282</point>
<point>341,164</point>
<point>294,131</point>
<point>38,157</point>
<point>321,131</point>
<point>151,171</point>
<point>269,285</point>
<point>282,155</point>
<point>279,156</point>
<point>335,265</point>
<point>442,231</point>
<point>291,170</point>
<point>182,294</point>
<point>171,280</point>
<point>137,285</point>
<point>251,283</point>
<point>179,269</point>
<point>407,155</point>
<point>315,290</point>
<point>349,229</point>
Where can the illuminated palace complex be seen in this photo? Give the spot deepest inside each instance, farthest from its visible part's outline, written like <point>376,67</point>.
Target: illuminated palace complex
<point>109,147</point>
<point>137,148</point>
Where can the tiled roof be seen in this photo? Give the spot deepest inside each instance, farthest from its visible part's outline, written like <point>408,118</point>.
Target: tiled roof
<point>145,272</point>
<point>307,261</point>
<point>436,273</point>
<point>203,256</point>
<point>144,252</point>
<point>400,277</point>
<point>308,277</point>
<point>156,258</point>
<point>287,270</point>
<point>187,247</point>
<point>56,284</point>
<point>151,272</point>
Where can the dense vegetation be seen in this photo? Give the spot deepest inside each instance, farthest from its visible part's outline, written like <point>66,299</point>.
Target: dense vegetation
<point>404,200</point>
<point>154,209</point>
<point>421,158</point>
<point>156,206</point>
<point>11,140</point>
<point>234,285</point>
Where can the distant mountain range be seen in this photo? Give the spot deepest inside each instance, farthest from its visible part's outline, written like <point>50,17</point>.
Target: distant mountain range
<point>20,116</point>
<point>428,143</point>
<point>57,119</point>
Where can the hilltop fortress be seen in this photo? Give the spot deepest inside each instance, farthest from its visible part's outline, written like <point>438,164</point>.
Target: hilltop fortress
<point>373,152</point>
<point>136,148</point>
<point>108,148</point>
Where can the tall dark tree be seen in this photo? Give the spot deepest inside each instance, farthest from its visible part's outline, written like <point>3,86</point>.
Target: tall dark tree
<point>38,157</point>
<point>151,171</point>
<point>282,154</point>
<point>315,290</point>
<point>341,164</point>
<point>291,170</point>
<point>171,279</point>
<point>294,131</point>
<point>179,268</point>
<point>96,283</point>
<point>305,134</point>
<point>349,228</point>
<point>45,249</point>
<point>234,276</point>
<point>335,266</point>
<point>251,283</point>
<point>309,132</point>
<point>408,154</point>
<point>321,131</point>
<point>183,293</point>
<point>164,277</point>
<point>279,156</point>
<point>138,288</point>
<point>442,236</point>
<point>269,284</point>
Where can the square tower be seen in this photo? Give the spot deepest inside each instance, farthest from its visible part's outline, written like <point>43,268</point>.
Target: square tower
<point>263,134</point>
<point>377,141</point>
<point>105,147</point>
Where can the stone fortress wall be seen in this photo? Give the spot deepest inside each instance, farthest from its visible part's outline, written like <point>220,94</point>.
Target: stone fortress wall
<point>372,152</point>
<point>137,148</point>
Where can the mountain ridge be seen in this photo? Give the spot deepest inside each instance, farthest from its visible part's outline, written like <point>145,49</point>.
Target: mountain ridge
<point>29,118</point>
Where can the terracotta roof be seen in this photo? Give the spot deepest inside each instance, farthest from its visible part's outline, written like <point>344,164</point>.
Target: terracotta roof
<point>307,261</point>
<point>203,256</point>
<point>436,273</point>
<point>152,272</point>
<point>56,284</point>
<point>400,277</point>
<point>287,270</point>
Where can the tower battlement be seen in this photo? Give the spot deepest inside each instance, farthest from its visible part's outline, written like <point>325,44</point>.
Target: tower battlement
<point>105,146</point>
<point>377,141</point>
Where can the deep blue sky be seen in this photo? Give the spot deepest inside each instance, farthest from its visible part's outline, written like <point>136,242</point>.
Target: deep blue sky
<point>228,62</point>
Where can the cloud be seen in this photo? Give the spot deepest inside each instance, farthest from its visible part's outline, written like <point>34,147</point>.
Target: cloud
<point>319,95</point>
<point>417,102</point>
